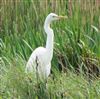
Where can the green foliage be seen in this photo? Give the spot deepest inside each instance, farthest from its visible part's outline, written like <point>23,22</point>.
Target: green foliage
<point>15,83</point>
<point>76,49</point>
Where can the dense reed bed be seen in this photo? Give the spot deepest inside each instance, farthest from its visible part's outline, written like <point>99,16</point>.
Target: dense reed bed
<point>76,61</point>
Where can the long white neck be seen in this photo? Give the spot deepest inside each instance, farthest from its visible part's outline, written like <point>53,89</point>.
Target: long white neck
<point>50,38</point>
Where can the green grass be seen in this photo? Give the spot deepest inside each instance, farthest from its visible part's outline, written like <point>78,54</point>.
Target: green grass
<point>18,85</point>
<point>76,50</point>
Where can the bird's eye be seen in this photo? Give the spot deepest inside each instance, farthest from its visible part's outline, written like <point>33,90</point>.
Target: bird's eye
<point>53,16</point>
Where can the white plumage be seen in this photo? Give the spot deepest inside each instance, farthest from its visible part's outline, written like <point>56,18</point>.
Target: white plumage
<point>40,59</point>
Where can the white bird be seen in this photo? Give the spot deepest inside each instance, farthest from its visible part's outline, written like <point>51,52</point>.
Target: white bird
<point>40,60</point>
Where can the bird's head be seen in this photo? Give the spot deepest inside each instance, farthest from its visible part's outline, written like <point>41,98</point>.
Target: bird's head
<point>53,16</point>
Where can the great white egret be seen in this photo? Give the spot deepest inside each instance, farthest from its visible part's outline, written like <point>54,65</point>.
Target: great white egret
<point>40,59</point>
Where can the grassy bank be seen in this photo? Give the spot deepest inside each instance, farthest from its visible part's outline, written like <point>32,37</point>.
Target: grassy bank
<point>76,49</point>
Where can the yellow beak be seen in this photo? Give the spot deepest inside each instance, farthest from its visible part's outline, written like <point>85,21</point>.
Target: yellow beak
<point>62,17</point>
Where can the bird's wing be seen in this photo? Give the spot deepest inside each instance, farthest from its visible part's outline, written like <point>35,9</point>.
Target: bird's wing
<point>35,59</point>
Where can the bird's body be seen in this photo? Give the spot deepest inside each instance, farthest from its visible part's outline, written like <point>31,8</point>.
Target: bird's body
<point>40,59</point>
